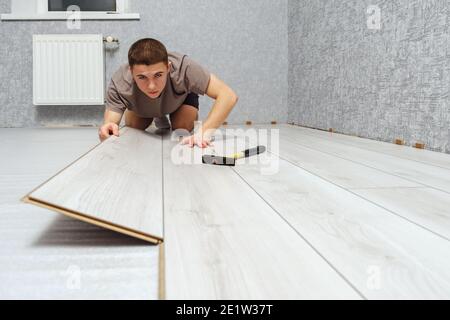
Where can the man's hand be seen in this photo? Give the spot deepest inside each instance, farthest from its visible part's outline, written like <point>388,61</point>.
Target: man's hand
<point>107,129</point>
<point>196,140</point>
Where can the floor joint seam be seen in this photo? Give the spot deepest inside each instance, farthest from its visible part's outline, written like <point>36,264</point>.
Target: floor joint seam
<point>301,236</point>
<point>162,184</point>
<point>380,152</point>
<point>386,188</point>
<point>162,258</point>
<point>365,199</point>
<point>392,174</point>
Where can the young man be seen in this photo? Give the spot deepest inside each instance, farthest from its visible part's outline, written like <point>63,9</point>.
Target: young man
<point>155,83</point>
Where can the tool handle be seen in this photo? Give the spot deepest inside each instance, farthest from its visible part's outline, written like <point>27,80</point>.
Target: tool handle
<point>253,151</point>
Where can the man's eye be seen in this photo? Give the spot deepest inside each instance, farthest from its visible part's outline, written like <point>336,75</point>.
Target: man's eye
<point>158,75</point>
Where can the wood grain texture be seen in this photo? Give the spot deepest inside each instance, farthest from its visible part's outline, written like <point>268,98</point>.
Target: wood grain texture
<point>336,220</point>
<point>438,159</point>
<point>117,184</point>
<point>427,207</point>
<point>374,248</point>
<point>43,253</point>
<point>383,255</point>
<point>379,164</point>
<point>222,241</point>
<point>340,171</point>
<point>422,205</point>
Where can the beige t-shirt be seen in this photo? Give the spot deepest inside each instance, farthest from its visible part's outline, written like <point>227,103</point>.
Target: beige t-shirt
<point>185,76</point>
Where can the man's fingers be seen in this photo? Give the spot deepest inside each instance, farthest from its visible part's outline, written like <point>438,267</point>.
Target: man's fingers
<point>205,143</point>
<point>104,132</point>
<point>193,141</point>
<point>185,141</point>
<point>103,135</point>
<point>115,130</point>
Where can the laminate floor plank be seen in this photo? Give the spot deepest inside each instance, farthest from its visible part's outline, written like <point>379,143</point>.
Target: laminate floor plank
<point>427,175</point>
<point>382,255</point>
<point>426,206</point>
<point>222,241</point>
<point>419,204</point>
<point>425,156</point>
<point>118,184</point>
<point>48,256</point>
<point>341,171</point>
<point>328,218</point>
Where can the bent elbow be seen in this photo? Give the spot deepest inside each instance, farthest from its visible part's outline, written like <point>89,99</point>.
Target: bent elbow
<point>235,98</point>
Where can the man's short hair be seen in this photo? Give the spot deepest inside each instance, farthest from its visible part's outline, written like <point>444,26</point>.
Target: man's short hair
<point>147,51</point>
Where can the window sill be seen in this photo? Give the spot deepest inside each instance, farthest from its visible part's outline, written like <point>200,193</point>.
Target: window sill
<point>69,15</point>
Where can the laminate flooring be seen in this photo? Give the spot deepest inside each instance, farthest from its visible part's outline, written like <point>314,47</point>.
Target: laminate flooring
<point>44,255</point>
<point>116,185</point>
<point>319,215</point>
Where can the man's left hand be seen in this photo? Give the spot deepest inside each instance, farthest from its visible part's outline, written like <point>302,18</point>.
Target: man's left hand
<point>196,140</point>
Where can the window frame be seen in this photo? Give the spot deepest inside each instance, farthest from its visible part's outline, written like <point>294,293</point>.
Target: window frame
<point>120,7</point>
<point>38,10</point>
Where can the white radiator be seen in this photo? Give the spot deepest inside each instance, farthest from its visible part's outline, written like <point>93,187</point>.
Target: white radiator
<point>68,69</point>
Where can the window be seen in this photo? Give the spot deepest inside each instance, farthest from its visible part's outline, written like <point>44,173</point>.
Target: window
<point>84,5</point>
<point>58,10</point>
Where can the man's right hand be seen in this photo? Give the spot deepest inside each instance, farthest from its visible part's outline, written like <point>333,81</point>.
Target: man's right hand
<point>107,130</point>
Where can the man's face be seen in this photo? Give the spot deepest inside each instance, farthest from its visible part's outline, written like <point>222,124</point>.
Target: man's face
<point>151,79</point>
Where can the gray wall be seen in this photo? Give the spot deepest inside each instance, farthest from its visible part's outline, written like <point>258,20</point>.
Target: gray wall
<point>382,84</point>
<point>243,42</point>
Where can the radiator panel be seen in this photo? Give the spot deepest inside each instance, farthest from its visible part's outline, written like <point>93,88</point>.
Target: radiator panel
<point>68,69</point>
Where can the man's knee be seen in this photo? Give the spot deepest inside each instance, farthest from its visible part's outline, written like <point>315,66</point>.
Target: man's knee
<point>134,121</point>
<point>183,124</point>
<point>184,118</point>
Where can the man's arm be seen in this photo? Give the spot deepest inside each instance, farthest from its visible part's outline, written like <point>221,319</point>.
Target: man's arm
<point>111,121</point>
<point>225,98</point>
<point>112,117</point>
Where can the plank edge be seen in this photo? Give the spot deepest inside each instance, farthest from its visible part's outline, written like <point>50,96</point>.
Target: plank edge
<point>162,273</point>
<point>97,222</point>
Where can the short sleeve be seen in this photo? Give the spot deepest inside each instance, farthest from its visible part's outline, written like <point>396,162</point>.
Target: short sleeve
<point>113,100</point>
<point>196,77</point>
